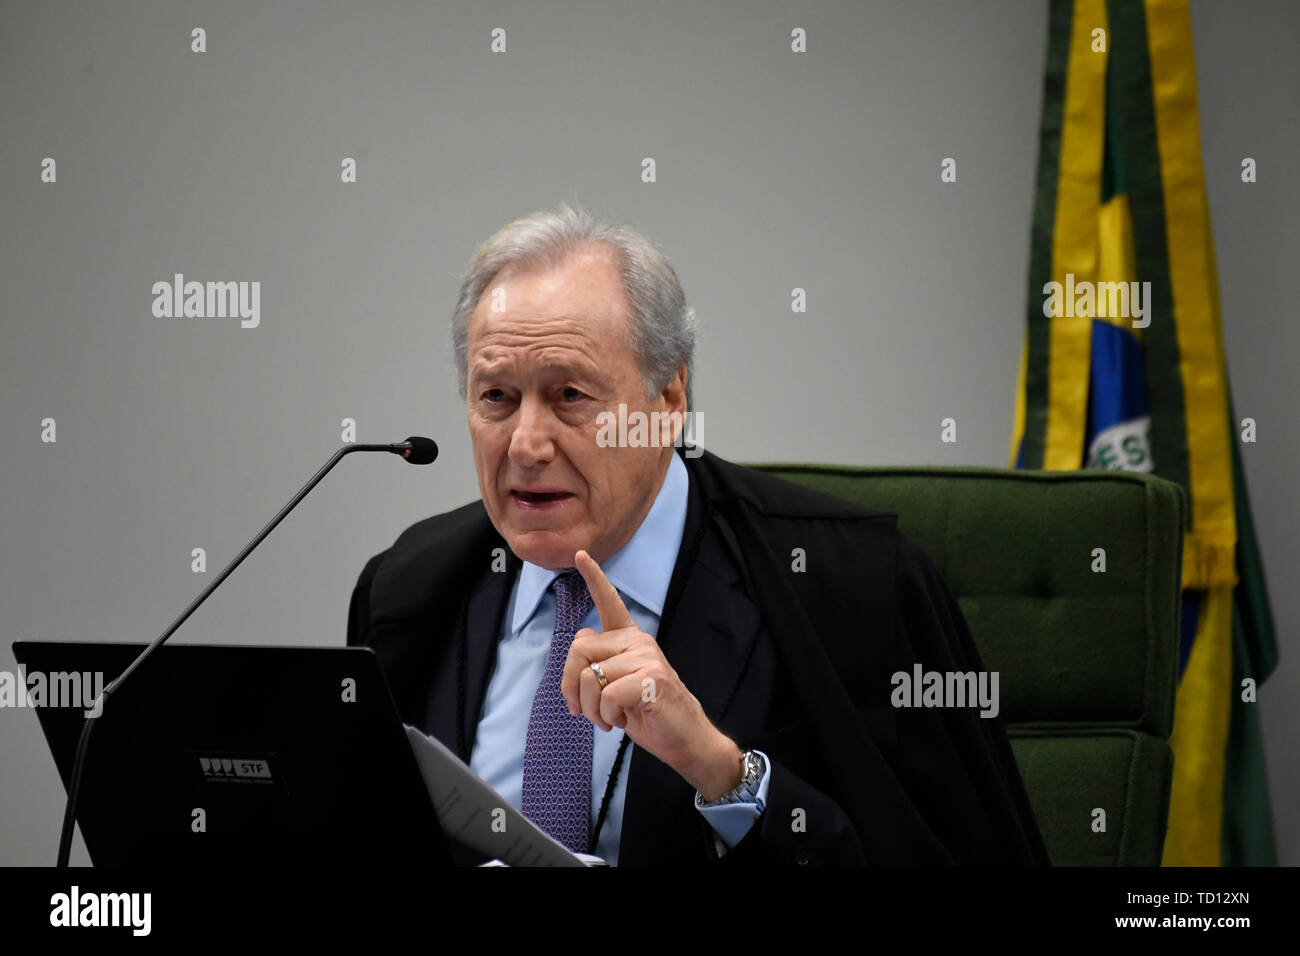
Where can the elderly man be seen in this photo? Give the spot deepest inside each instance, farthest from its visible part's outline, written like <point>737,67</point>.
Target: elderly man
<point>614,637</point>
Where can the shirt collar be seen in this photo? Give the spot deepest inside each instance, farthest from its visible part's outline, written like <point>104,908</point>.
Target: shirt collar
<point>641,569</point>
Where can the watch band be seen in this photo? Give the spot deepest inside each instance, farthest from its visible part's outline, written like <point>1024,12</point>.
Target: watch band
<point>755,766</point>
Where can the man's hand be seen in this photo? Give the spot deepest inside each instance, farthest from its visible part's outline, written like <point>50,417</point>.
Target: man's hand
<point>642,693</point>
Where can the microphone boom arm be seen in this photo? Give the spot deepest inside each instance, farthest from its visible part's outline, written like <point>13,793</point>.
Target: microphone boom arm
<point>78,764</point>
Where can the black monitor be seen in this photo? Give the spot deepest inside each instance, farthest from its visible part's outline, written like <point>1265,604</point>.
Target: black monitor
<point>218,754</point>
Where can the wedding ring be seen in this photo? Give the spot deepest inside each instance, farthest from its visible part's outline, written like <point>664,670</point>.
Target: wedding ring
<point>600,675</point>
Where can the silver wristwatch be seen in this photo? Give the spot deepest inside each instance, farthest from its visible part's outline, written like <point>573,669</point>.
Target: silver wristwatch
<point>747,790</point>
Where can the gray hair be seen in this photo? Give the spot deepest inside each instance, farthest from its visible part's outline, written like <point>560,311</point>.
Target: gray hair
<point>661,326</point>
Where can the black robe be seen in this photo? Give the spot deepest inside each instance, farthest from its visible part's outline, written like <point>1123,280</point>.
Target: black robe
<point>796,663</point>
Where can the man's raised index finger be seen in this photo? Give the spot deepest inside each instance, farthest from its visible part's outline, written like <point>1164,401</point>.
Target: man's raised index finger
<point>613,613</point>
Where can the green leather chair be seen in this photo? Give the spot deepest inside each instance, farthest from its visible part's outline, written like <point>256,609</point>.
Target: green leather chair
<point>1087,661</point>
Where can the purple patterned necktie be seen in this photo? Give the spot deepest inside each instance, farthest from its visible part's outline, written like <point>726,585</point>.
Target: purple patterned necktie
<point>557,755</point>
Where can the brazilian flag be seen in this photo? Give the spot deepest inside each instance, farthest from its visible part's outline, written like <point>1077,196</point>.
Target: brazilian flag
<point>1123,368</point>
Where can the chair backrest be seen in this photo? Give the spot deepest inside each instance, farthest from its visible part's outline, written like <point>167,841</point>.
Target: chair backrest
<point>1070,582</point>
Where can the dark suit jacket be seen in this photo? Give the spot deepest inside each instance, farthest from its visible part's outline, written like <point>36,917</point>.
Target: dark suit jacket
<point>796,663</point>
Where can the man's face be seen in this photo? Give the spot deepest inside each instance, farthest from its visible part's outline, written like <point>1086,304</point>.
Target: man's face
<point>548,352</point>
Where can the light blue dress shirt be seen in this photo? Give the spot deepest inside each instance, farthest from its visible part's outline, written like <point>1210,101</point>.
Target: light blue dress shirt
<point>641,572</point>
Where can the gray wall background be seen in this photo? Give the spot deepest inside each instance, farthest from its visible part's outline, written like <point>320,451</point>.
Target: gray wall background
<point>774,170</point>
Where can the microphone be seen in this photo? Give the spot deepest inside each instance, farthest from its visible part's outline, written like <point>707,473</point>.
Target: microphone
<point>416,450</point>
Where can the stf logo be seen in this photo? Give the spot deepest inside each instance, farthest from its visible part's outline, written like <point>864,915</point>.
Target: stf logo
<point>234,768</point>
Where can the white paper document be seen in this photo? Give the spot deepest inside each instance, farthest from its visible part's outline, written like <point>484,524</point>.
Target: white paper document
<point>472,813</point>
